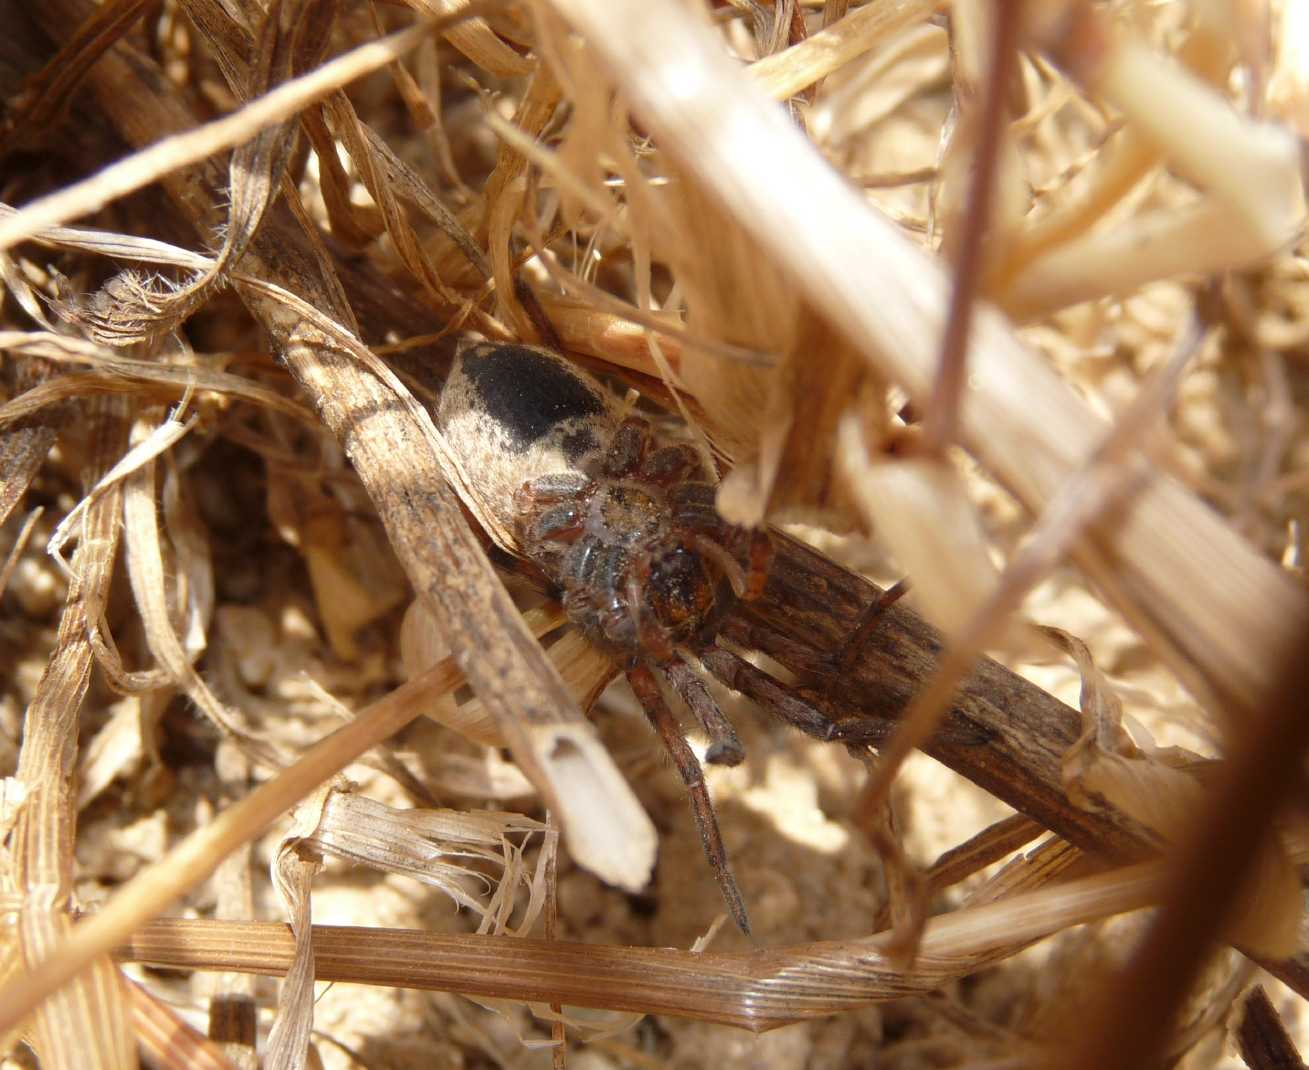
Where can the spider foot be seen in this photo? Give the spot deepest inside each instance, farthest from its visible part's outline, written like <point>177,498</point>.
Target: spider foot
<point>724,746</point>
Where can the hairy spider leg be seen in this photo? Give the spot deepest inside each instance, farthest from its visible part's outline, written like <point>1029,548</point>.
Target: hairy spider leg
<point>608,593</point>
<point>694,493</point>
<point>728,565</point>
<point>552,488</point>
<point>627,449</point>
<point>670,465</point>
<point>724,746</point>
<point>560,523</point>
<point>852,649</point>
<point>647,692</point>
<point>759,556</point>
<point>548,534</point>
<point>693,508</point>
<point>740,675</point>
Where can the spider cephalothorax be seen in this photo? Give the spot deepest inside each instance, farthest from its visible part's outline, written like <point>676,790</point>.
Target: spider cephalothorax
<point>641,557</point>
<point>624,528</point>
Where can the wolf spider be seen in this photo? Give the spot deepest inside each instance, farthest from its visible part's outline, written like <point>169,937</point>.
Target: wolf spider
<point>646,568</point>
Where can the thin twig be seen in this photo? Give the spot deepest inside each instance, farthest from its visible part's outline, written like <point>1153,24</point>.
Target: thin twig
<point>941,418</point>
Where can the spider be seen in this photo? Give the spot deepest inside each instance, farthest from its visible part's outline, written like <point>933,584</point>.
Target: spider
<point>623,528</point>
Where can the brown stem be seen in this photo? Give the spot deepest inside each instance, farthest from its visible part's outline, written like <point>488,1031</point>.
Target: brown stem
<point>941,419</point>
<point>1264,1042</point>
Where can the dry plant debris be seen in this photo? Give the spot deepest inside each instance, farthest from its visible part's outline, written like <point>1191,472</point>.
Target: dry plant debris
<point>1008,298</point>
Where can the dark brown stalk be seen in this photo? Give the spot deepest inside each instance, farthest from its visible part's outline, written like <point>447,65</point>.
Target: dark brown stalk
<point>1003,733</point>
<point>988,846</point>
<point>1262,1037</point>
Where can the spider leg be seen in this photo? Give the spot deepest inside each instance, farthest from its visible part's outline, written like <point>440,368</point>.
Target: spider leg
<point>725,562</point>
<point>627,449</point>
<point>560,523</point>
<point>670,465</point>
<point>695,490</point>
<point>651,636</point>
<point>722,542</point>
<point>647,692</point>
<point>724,746</point>
<point>789,706</point>
<point>564,516</point>
<point>551,488</point>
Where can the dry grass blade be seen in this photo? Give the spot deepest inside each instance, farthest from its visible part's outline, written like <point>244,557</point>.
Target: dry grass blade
<point>288,1041</point>
<point>112,370</point>
<point>181,149</point>
<point>1215,865</point>
<point>988,846</point>
<point>56,392</point>
<point>473,37</point>
<point>22,449</point>
<point>130,308</point>
<point>1111,475</point>
<point>1247,214</point>
<point>786,73</point>
<point>391,442</point>
<point>40,852</point>
<point>233,1014</point>
<point>169,1041</point>
<point>758,990</point>
<point>20,544</point>
<point>437,847</point>
<point>151,589</point>
<point>48,92</point>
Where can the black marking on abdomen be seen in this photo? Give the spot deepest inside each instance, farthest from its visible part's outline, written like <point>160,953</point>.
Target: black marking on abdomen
<point>527,393</point>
